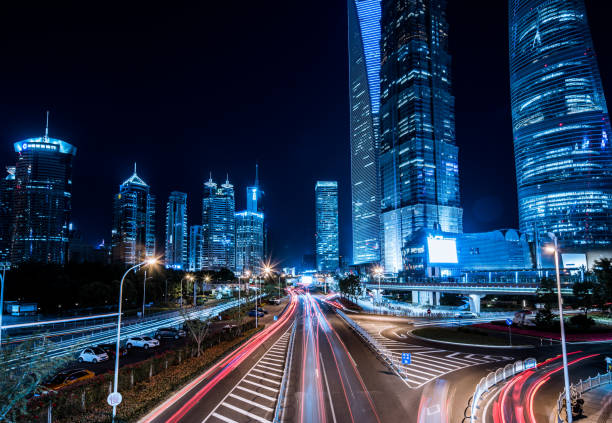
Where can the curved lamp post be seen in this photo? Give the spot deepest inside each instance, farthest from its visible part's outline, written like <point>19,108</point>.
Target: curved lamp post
<point>116,380</point>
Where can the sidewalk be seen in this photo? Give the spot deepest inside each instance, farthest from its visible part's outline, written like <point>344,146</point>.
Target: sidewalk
<point>598,405</point>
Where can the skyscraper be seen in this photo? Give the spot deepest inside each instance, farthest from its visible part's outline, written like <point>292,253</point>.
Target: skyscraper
<point>196,243</point>
<point>418,156</point>
<point>561,124</point>
<point>7,187</point>
<point>176,231</point>
<point>133,233</point>
<point>250,230</point>
<point>364,87</point>
<point>218,224</point>
<point>42,200</point>
<point>327,246</point>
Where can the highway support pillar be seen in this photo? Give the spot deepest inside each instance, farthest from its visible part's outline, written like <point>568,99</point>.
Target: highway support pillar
<point>474,300</point>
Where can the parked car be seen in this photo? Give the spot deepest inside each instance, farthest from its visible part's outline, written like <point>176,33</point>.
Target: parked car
<point>252,313</point>
<point>228,328</point>
<point>169,333</point>
<point>275,301</point>
<point>465,315</point>
<point>263,310</point>
<point>93,355</point>
<point>145,342</point>
<point>111,349</point>
<point>66,378</point>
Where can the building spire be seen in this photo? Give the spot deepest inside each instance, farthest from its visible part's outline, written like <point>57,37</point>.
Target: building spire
<point>47,128</point>
<point>227,178</point>
<point>256,174</point>
<point>134,168</point>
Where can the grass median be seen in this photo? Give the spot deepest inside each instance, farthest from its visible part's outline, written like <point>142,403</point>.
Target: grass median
<point>461,335</point>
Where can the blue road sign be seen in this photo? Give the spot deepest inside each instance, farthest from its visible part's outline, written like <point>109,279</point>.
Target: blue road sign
<point>509,322</point>
<point>275,318</point>
<point>406,358</point>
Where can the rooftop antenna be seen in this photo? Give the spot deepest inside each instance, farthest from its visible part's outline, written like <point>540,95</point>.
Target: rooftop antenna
<point>256,174</point>
<point>210,176</point>
<point>227,178</point>
<point>47,128</point>
<point>134,168</point>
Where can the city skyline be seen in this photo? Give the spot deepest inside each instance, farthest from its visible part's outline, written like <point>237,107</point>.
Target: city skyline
<point>23,121</point>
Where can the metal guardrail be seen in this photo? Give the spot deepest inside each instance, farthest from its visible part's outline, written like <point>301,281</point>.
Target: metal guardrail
<point>282,398</point>
<point>493,378</point>
<point>577,389</point>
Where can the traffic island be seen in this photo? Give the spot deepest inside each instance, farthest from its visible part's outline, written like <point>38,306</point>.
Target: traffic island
<point>465,336</point>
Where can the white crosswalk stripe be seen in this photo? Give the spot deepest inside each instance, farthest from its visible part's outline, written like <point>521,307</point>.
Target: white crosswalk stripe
<point>254,398</point>
<point>426,363</point>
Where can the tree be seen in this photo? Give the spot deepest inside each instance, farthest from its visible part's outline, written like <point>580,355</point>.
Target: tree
<point>583,291</point>
<point>349,285</point>
<point>225,275</point>
<point>547,295</point>
<point>603,288</point>
<point>21,376</point>
<point>198,329</point>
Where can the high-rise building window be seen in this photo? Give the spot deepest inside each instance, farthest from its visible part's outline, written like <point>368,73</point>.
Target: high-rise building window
<point>327,246</point>
<point>176,231</point>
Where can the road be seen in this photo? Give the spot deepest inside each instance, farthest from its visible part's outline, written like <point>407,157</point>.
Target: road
<point>310,367</point>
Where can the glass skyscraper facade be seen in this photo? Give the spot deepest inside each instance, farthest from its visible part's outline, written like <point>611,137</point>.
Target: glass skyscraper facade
<point>196,242</point>
<point>364,87</point>
<point>7,188</point>
<point>42,200</point>
<point>561,124</point>
<point>133,232</point>
<point>327,246</point>
<point>418,156</point>
<point>176,231</point>
<point>218,224</point>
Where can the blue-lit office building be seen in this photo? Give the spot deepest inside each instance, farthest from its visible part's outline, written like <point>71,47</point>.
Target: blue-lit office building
<point>250,234</point>
<point>7,188</point>
<point>433,253</point>
<point>327,244</point>
<point>196,244</point>
<point>176,231</point>
<point>364,88</point>
<point>42,200</point>
<point>418,155</point>
<point>133,232</point>
<point>218,224</point>
<point>561,124</point>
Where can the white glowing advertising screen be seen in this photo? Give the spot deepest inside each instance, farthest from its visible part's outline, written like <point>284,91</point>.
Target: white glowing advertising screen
<point>442,250</point>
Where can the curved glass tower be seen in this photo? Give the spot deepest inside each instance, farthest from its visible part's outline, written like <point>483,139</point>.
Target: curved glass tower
<point>364,80</point>
<point>561,124</point>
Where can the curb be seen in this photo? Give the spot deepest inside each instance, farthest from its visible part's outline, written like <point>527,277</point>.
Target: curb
<point>514,347</point>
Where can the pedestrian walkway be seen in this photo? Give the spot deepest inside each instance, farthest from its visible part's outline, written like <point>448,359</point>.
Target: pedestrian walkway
<point>427,363</point>
<point>598,405</point>
<point>254,398</point>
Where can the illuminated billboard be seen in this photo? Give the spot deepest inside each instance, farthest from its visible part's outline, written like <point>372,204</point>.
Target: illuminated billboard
<point>442,250</point>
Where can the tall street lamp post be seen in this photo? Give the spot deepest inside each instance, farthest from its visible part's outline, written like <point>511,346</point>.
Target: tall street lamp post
<point>2,299</point>
<point>378,271</point>
<point>115,393</point>
<point>568,404</point>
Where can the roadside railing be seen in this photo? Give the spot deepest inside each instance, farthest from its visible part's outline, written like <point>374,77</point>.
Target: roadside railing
<point>577,389</point>
<point>494,378</point>
<point>282,398</point>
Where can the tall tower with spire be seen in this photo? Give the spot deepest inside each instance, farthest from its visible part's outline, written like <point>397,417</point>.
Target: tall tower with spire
<point>42,199</point>
<point>250,231</point>
<point>218,225</point>
<point>133,233</point>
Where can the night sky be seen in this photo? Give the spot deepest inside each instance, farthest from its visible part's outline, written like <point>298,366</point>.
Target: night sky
<point>220,85</point>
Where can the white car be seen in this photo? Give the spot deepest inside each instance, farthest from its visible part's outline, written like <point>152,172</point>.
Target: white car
<point>145,342</point>
<point>93,355</point>
<point>465,315</point>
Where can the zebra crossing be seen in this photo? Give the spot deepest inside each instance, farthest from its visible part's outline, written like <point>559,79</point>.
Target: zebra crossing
<point>427,363</point>
<point>254,398</point>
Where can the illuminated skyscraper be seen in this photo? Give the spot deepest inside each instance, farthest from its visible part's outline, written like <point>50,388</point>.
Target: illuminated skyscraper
<point>176,231</point>
<point>7,188</point>
<point>250,231</point>
<point>196,243</point>
<point>42,200</point>
<point>133,233</point>
<point>364,85</point>
<point>418,156</point>
<point>218,224</point>
<point>327,246</point>
<point>561,124</point>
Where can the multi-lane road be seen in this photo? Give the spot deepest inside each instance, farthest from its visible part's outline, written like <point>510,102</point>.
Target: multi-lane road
<point>310,367</point>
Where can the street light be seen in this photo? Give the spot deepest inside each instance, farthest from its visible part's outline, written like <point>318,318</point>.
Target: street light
<point>378,271</point>
<point>2,299</point>
<point>247,273</point>
<point>188,277</point>
<point>568,404</point>
<point>149,261</point>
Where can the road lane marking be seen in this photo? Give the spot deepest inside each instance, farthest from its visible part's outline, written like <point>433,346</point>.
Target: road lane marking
<point>256,404</point>
<point>260,385</point>
<point>220,417</point>
<point>246,413</point>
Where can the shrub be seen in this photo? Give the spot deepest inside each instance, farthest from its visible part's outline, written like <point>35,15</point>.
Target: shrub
<point>582,321</point>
